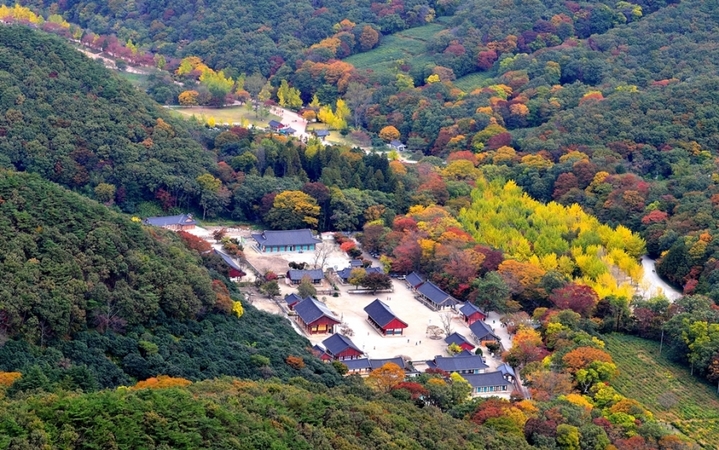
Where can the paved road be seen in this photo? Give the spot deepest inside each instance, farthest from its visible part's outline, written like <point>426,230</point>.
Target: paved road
<point>655,285</point>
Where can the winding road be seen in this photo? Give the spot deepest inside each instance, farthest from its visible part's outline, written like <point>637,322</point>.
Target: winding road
<point>656,286</point>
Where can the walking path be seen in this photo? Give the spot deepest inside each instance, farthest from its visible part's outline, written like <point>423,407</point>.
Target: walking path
<point>653,285</point>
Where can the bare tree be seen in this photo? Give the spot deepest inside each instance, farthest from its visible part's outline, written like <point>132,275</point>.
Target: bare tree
<point>434,332</point>
<point>446,319</point>
<point>322,252</point>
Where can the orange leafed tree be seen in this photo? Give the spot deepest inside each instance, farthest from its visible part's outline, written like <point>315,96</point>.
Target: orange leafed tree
<point>386,377</point>
<point>581,357</point>
<point>389,133</point>
<point>162,382</point>
<point>8,378</point>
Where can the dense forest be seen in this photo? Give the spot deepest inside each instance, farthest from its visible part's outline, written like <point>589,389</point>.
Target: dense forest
<point>278,32</point>
<point>607,109</point>
<point>91,299</point>
<point>67,120</point>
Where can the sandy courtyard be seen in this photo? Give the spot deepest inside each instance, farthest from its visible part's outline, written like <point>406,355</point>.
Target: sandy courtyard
<point>415,344</point>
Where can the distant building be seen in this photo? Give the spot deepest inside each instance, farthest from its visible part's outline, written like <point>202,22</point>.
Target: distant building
<point>296,276</point>
<point>275,125</point>
<point>345,274</point>
<point>381,317</point>
<point>461,341</point>
<point>434,297</point>
<point>471,313</point>
<point>483,333</point>
<point>315,318</point>
<point>322,134</point>
<point>413,281</point>
<point>288,131</point>
<point>235,272</point>
<point>183,222</point>
<point>397,145</point>
<point>489,384</point>
<point>458,364</point>
<point>292,300</point>
<point>365,365</point>
<point>286,241</point>
<point>341,348</point>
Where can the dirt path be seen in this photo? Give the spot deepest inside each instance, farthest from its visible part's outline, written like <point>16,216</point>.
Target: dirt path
<point>109,63</point>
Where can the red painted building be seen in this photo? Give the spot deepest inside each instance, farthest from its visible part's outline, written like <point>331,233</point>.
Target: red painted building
<point>472,313</point>
<point>341,348</point>
<point>315,318</point>
<point>381,317</point>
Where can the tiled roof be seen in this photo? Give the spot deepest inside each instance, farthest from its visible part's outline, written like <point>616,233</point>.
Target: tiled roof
<point>321,133</point>
<point>506,369</point>
<point>276,124</point>
<point>229,261</point>
<point>486,379</point>
<point>377,363</point>
<point>310,310</point>
<point>182,219</point>
<point>286,237</point>
<point>469,308</point>
<point>458,363</point>
<point>380,313</point>
<point>436,295</point>
<point>395,143</point>
<point>347,271</point>
<point>357,364</point>
<point>355,263</point>
<point>337,343</point>
<point>414,280</point>
<point>482,330</point>
<point>314,274</point>
<point>456,338</point>
<point>292,299</point>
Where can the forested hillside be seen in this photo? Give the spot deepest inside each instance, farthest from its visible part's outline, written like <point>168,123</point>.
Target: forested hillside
<point>252,37</point>
<point>239,415</point>
<point>66,118</point>
<point>90,299</point>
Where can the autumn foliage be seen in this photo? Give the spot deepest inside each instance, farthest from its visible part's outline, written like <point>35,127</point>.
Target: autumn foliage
<point>582,357</point>
<point>8,378</point>
<point>161,382</point>
<point>296,362</point>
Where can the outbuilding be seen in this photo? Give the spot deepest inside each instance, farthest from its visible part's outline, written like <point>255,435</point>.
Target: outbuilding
<point>386,322</point>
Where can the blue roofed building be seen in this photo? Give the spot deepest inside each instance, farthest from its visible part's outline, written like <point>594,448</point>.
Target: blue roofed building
<point>345,273</point>
<point>182,222</point>
<point>413,281</point>
<point>314,275</point>
<point>434,297</point>
<point>272,241</point>
<point>483,333</point>
<point>459,340</point>
<point>489,384</point>
<point>386,322</point>
<point>464,364</point>
<point>234,271</point>
<point>341,348</point>
<point>315,318</point>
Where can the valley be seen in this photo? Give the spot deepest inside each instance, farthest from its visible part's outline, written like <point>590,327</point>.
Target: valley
<point>438,224</point>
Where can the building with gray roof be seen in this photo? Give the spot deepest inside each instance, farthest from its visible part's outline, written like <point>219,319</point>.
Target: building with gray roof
<point>273,241</point>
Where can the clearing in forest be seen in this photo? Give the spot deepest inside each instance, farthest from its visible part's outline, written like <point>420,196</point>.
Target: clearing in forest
<point>665,388</point>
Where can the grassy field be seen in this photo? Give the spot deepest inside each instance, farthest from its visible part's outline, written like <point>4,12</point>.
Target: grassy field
<point>666,388</point>
<point>228,115</point>
<point>408,45</point>
<point>470,82</point>
<point>137,79</point>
